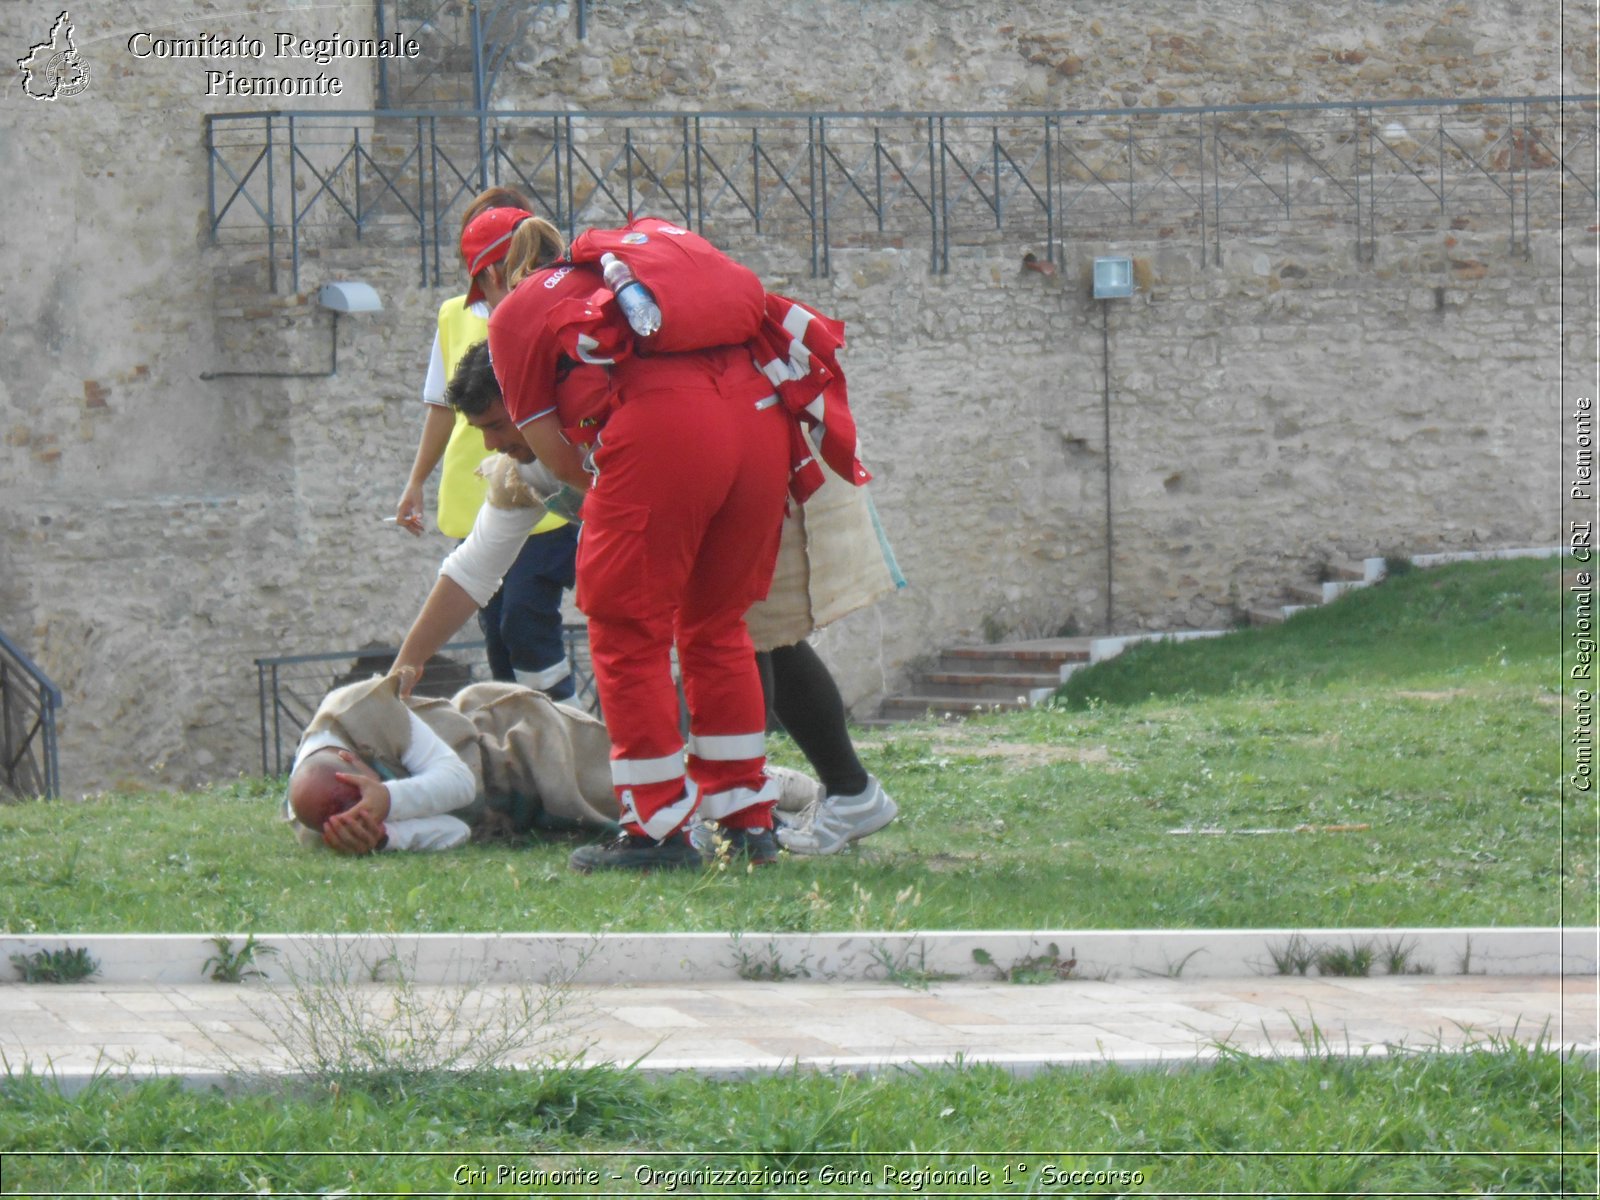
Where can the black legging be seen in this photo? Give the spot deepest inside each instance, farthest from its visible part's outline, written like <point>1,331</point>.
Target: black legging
<point>802,695</point>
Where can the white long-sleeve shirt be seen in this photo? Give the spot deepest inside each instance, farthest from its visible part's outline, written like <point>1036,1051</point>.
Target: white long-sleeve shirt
<point>433,383</point>
<point>437,783</point>
<point>480,562</point>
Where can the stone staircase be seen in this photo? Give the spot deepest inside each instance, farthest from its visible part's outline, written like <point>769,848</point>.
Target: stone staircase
<point>1001,677</point>
<point>1007,676</point>
<point>1343,578</point>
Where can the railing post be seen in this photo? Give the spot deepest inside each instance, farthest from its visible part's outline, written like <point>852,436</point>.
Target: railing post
<point>755,175</point>
<point>1050,195</point>
<point>261,710</point>
<point>1201,159</point>
<point>277,727</point>
<point>627,167</point>
<point>935,199</point>
<point>383,62</point>
<point>821,158</point>
<point>211,178</point>
<point>52,770</point>
<point>943,186</point>
<point>422,203</point>
<point>691,179</point>
<point>1527,178</point>
<point>479,98</point>
<point>355,140</point>
<point>572,192</point>
<point>877,174</point>
<point>272,215</point>
<point>430,228</point>
<point>294,215</point>
<point>994,134</point>
<point>5,722</point>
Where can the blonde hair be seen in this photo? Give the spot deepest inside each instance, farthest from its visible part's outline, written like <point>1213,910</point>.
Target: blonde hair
<point>535,244</point>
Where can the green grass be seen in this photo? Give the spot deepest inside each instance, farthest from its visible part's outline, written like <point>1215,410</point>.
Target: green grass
<point>1489,1120</point>
<point>1419,628</point>
<point>1429,711</point>
<point>1425,716</point>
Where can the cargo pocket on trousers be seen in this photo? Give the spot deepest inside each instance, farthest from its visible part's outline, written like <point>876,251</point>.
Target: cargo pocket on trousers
<point>614,558</point>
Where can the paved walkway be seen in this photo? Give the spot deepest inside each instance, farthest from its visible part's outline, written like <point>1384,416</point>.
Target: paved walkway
<point>207,1032</point>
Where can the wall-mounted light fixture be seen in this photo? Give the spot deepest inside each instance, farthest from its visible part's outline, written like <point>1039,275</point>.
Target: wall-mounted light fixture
<point>348,296</point>
<point>1113,278</point>
<point>352,296</point>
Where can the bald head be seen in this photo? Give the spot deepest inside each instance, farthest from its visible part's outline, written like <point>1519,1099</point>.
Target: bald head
<point>315,792</point>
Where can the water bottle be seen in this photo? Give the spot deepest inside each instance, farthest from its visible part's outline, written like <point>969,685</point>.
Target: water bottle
<point>638,305</point>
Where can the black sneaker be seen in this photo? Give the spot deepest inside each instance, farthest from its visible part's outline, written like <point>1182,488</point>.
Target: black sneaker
<point>629,852</point>
<point>757,846</point>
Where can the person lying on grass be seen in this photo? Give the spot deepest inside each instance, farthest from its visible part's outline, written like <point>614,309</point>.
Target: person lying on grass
<point>375,771</point>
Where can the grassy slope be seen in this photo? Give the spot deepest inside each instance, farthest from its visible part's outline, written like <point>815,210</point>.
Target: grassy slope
<point>1417,627</point>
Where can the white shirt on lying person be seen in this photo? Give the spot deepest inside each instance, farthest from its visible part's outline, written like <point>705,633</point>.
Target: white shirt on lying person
<point>437,784</point>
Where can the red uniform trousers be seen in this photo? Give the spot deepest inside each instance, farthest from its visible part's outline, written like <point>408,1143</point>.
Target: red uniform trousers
<point>680,535</point>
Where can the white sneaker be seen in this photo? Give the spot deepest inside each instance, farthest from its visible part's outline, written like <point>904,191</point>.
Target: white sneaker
<point>836,821</point>
<point>703,835</point>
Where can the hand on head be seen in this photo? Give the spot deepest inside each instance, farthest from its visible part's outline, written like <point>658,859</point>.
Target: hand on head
<point>335,792</point>
<point>354,831</point>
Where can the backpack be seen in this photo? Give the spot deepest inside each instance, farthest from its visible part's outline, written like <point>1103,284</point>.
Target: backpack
<point>706,298</point>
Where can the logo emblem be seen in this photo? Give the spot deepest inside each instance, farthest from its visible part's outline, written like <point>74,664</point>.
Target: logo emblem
<point>635,239</point>
<point>53,69</point>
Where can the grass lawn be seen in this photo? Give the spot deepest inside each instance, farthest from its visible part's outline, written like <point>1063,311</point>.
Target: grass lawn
<point>1424,718</point>
<point>1492,1121</point>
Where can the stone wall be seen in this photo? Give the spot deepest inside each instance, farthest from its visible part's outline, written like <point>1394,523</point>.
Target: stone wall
<point>1287,406</point>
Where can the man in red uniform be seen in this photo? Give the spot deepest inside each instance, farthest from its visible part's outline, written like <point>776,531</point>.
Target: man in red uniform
<point>690,463</point>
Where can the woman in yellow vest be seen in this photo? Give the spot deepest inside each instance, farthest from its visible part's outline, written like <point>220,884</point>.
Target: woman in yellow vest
<point>522,623</point>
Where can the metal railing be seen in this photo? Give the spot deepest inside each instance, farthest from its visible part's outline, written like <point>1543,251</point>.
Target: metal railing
<point>1359,171</point>
<point>28,704</point>
<point>290,687</point>
<point>464,45</point>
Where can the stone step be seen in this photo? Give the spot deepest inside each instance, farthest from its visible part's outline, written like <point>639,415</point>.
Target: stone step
<point>989,685</point>
<point>918,707</point>
<point>1014,657</point>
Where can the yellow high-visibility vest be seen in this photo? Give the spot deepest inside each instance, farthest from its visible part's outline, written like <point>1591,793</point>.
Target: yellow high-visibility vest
<point>461,489</point>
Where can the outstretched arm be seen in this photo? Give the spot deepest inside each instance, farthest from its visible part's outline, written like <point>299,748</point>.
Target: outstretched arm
<point>444,611</point>
<point>468,579</point>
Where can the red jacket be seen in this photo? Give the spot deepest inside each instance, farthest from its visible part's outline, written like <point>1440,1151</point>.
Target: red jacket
<point>565,315</point>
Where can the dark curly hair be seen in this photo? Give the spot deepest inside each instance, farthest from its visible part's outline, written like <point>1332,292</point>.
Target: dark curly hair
<point>473,387</point>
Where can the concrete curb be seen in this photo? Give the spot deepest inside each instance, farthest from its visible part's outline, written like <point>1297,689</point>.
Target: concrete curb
<point>981,955</point>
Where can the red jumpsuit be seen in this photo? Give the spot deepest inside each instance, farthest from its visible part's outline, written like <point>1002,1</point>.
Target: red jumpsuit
<point>680,536</point>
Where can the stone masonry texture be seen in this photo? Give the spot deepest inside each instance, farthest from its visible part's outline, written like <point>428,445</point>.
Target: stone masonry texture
<point>1282,396</point>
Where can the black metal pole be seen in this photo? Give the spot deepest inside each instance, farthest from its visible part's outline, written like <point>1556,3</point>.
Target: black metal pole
<point>1105,361</point>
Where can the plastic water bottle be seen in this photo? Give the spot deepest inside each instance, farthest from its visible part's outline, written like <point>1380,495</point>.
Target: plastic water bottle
<point>638,305</point>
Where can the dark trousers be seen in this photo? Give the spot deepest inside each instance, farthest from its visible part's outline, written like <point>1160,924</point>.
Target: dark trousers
<point>522,622</point>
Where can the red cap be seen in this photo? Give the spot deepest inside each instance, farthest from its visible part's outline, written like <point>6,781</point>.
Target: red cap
<point>487,240</point>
